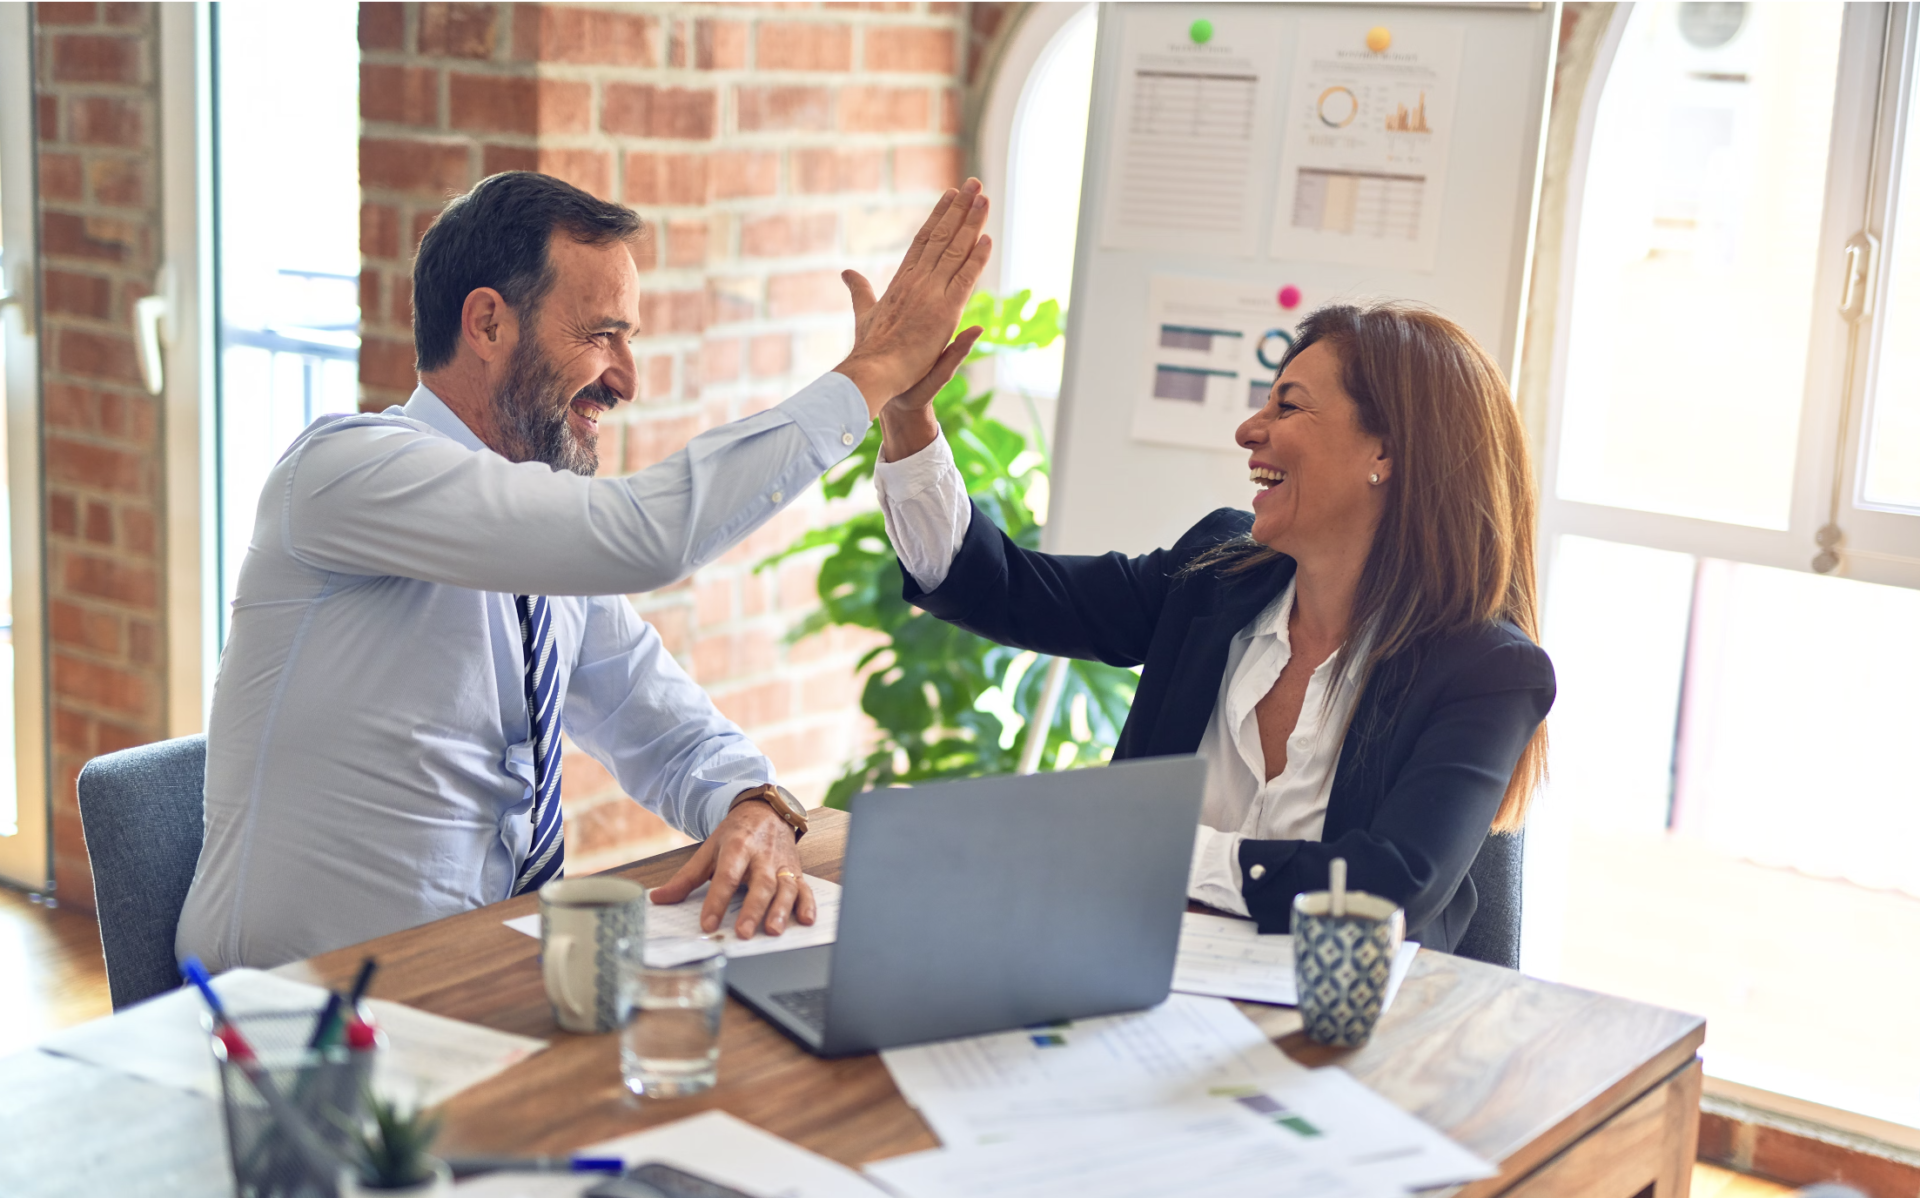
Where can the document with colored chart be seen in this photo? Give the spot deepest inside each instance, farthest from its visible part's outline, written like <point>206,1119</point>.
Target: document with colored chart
<point>1368,123</point>
<point>1213,347</point>
<point>982,1089</point>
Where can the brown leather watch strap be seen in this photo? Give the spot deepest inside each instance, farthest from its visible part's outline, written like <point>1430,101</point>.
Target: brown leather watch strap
<point>783,806</point>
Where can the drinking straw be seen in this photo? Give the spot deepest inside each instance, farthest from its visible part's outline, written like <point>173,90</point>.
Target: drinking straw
<point>1337,888</point>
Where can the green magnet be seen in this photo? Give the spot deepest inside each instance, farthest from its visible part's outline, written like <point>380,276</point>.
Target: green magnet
<point>1201,32</point>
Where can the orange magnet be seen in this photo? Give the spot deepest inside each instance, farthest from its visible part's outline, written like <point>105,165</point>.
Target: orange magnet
<point>1379,38</point>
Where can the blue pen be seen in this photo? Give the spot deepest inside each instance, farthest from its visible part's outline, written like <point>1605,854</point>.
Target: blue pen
<point>194,972</point>
<point>471,1166</point>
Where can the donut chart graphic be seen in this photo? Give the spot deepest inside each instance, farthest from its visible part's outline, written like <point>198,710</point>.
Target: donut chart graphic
<point>1337,106</point>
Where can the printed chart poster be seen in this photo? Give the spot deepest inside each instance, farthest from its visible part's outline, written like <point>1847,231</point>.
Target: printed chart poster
<point>1195,114</point>
<point>1213,348</point>
<point>1365,165</point>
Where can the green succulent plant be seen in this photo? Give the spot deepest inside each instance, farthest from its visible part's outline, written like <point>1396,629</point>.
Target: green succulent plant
<point>948,703</point>
<point>390,1150</point>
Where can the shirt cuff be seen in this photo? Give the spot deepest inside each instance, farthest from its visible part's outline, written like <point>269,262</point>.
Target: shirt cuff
<point>832,414</point>
<point>904,480</point>
<point>1213,877</point>
<point>923,501</point>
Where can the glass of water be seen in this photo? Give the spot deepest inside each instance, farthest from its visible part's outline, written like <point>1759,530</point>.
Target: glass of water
<point>671,994</point>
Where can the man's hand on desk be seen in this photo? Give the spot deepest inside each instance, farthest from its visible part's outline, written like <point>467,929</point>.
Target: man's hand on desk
<point>753,847</point>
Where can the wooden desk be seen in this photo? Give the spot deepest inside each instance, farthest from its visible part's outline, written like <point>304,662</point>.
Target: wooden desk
<point>1570,1092</point>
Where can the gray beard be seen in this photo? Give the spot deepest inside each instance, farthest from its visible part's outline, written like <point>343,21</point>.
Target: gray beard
<point>530,414</point>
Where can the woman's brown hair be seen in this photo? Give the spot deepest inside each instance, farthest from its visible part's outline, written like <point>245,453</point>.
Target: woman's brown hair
<point>1455,548</point>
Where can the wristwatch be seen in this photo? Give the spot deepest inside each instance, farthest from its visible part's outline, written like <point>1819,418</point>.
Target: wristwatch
<point>783,803</point>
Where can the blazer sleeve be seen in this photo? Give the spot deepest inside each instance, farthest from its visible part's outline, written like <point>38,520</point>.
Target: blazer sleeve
<point>1104,608</point>
<point>1435,813</point>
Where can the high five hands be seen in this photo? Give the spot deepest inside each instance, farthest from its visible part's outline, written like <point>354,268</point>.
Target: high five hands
<point>905,338</point>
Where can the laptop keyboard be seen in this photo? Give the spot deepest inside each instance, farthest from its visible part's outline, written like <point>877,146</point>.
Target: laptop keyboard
<point>808,1006</point>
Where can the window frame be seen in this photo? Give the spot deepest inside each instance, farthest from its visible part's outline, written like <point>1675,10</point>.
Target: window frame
<point>1830,341</point>
<point>26,858</point>
<point>188,426</point>
<point>1873,543</point>
<point>1863,151</point>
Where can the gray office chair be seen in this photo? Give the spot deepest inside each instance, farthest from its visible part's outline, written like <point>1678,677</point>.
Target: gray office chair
<point>143,811</point>
<point>1494,934</point>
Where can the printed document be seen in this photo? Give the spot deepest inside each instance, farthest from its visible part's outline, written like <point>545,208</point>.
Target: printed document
<point>1364,171</point>
<point>1192,123</point>
<point>1213,347</point>
<point>1221,1151</point>
<point>682,920</point>
<point>983,1089</point>
<point>428,1058</point>
<point>1367,1135</point>
<point>1231,959</point>
<point>714,1145</point>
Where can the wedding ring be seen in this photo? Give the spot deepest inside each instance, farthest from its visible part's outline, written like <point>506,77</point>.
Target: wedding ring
<point>787,873</point>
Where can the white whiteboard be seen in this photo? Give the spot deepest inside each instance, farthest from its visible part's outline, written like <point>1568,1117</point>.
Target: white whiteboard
<point>1112,490</point>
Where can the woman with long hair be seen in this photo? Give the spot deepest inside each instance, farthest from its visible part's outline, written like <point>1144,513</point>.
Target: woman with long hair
<point>1355,657</point>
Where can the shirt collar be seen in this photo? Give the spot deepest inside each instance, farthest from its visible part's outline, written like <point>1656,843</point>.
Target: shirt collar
<point>432,411</point>
<point>1272,620</point>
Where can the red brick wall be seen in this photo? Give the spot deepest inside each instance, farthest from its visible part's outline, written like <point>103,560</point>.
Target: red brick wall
<point>99,244</point>
<point>767,147</point>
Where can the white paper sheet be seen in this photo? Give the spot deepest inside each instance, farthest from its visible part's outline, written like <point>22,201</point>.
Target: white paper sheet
<point>1364,172</point>
<point>984,1089</point>
<point>714,1145</point>
<point>682,919</point>
<point>1231,959</point>
<point>429,1058</point>
<point>1221,1151</point>
<point>1367,1135</point>
<point>1213,349</point>
<point>1192,125</point>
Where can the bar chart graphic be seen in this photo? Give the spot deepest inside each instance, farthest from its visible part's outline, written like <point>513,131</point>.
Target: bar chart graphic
<point>1409,120</point>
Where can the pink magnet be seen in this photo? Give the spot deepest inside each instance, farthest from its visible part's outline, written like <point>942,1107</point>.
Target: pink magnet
<point>1289,297</point>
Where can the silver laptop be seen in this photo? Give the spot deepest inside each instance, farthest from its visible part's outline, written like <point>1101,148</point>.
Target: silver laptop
<point>993,903</point>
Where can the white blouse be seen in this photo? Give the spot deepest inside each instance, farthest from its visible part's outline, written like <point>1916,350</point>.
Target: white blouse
<point>924,503</point>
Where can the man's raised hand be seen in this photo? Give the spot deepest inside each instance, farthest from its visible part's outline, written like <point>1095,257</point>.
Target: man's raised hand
<point>899,336</point>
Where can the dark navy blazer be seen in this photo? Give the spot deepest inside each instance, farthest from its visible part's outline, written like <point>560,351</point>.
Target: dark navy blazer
<point>1434,737</point>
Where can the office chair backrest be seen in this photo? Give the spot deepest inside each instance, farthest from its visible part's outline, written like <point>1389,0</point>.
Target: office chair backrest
<point>1494,934</point>
<point>143,811</point>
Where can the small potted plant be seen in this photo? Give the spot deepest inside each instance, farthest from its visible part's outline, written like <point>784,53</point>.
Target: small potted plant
<point>390,1157</point>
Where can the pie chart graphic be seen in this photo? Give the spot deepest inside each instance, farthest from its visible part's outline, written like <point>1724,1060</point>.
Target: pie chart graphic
<point>1337,106</point>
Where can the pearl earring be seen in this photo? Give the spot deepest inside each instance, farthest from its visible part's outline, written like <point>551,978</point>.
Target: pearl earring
<point>1374,479</point>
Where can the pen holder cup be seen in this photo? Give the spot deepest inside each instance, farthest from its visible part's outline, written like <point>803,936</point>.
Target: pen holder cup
<point>289,1109</point>
<point>1341,963</point>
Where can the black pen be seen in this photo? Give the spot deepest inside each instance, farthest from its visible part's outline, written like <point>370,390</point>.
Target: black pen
<point>360,983</point>
<point>324,1024</point>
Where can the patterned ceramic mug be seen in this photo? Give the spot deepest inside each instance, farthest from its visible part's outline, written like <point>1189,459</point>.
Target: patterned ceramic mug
<point>1341,963</point>
<point>582,922</point>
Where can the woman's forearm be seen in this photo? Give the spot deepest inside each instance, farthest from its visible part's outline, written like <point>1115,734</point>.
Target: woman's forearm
<point>906,431</point>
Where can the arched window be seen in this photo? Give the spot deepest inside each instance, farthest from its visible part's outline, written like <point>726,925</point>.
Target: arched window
<point>1033,142</point>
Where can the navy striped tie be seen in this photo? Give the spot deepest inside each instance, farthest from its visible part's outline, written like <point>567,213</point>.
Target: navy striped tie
<point>547,850</point>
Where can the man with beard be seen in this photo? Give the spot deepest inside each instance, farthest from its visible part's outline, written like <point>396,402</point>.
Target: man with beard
<point>433,593</point>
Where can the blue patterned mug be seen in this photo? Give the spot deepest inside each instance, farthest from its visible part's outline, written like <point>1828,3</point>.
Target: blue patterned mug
<point>582,922</point>
<point>1341,963</point>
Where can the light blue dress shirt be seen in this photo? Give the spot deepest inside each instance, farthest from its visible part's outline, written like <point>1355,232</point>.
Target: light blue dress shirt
<point>368,760</point>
